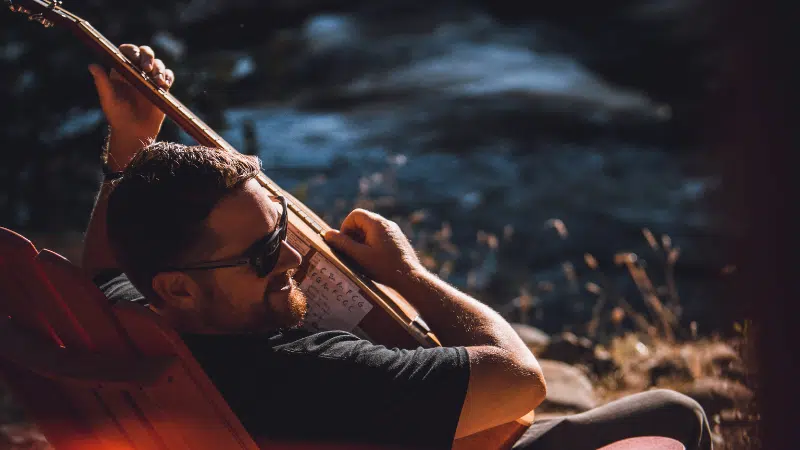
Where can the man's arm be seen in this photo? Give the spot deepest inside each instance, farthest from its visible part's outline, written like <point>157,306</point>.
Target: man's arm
<point>134,122</point>
<point>506,381</point>
<point>97,254</point>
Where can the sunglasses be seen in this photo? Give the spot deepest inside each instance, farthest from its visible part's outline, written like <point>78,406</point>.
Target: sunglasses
<point>262,256</point>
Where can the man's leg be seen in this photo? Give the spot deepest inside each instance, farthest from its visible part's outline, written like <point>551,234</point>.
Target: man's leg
<point>654,413</point>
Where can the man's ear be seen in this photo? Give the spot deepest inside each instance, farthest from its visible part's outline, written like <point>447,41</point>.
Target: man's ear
<point>177,290</point>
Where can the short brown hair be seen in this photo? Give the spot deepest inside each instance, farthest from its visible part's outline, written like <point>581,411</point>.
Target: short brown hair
<point>157,209</point>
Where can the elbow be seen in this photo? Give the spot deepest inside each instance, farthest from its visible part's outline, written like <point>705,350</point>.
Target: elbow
<point>536,384</point>
<point>541,387</point>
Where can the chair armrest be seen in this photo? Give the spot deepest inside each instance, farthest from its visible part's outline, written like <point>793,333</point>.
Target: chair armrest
<point>66,365</point>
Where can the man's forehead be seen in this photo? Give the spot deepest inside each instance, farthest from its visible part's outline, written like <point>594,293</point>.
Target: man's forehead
<point>243,217</point>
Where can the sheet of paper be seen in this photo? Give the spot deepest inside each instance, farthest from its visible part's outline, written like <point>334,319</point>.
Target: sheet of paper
<point>334,302</point>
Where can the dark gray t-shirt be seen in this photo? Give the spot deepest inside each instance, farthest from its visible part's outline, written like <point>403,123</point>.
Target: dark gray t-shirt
<point>330,386</point>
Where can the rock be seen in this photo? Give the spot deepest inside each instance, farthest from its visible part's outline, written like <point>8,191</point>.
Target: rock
<point>569,348</point>
<point>715,394</point>
<point>533,337</point>
<point>672,367</point>
<point>722,360</point>
<point>736,371</point>
<point>602,363</point>
<point>567,388</point>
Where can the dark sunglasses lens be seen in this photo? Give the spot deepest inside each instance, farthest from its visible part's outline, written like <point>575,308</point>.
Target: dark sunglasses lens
<point>268,259</point>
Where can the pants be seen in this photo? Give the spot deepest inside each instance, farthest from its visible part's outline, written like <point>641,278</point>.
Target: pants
<point>654,413</point>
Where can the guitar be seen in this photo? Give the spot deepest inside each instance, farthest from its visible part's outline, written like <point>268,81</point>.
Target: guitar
<point>339,296</point>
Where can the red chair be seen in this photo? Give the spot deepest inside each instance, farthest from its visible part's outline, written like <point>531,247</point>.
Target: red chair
<point>92,376</point>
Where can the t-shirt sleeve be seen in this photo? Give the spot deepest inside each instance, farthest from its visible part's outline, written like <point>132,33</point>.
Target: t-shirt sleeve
<point>333,386</point>
<point>117,287</point>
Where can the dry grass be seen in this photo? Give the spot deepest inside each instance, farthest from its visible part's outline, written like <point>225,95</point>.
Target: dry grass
<point>655,335</point>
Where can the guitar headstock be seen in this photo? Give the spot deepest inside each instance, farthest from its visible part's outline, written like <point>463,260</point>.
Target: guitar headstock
<point>45,12</point>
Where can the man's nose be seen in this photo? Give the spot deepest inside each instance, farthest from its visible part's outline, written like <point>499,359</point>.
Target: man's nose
<point>290,258</point>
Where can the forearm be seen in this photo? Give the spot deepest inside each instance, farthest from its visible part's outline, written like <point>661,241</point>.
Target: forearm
<point>97,255</point>
<point>459,319</point>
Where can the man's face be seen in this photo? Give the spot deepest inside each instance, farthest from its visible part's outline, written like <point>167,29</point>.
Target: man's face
<point>235,299</point>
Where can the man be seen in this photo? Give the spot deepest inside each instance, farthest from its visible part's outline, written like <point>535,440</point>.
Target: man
<point>205,245</point>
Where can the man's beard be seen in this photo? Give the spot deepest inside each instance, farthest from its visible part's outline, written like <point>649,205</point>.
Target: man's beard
<point>290,312</point>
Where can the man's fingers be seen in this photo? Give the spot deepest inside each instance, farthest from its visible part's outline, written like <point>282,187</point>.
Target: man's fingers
<point>146,58</point>
<point>360,221</point>
<point>103,84</point>
<point>169,78</point>
<point>130,51</point>
<point>344,243</point>
<point>158,72</point>
<point>353,229</point>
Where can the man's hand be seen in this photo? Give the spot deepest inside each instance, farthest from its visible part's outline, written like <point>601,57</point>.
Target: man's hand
<point>133,119</point>
<point>377,245</point>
